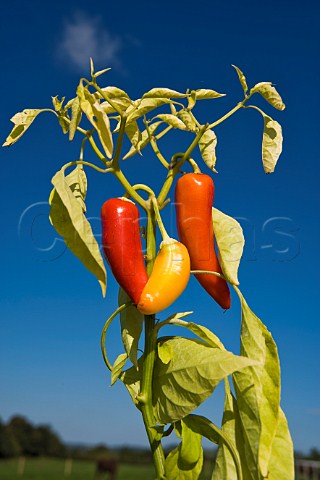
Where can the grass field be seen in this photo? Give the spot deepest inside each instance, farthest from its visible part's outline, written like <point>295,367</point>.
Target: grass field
<point>54,469</point>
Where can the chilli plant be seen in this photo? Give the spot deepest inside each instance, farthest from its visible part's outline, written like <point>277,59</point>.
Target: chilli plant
<point>168,377</point>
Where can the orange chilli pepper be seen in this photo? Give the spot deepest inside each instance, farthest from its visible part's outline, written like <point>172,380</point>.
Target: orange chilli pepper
<point>194,195</point>
<point>169,277</point>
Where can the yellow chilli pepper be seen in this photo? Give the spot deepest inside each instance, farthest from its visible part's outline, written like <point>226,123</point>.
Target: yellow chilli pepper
<point>169,277</point>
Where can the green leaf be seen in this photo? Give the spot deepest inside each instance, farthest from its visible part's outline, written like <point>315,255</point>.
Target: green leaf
<point>134,134</point>
<point>192,98</point>
<point>67,217</point>
<point>144,106</point>
<point>191,449</point>
<point>98,118</point>
<point>131,321</point>
<point>143,141</point>
<point>22,121</point>
<point>269,93</point>
<point>202,332</point>
<point>204,94</point>
<point>207,145</point>
<point>57,104</point>
<point>193,363</point>
<point>77,181</point>
<point>175,471</point>
<point>271,144</point>
<point>172,120</point>
<point>165,353</point>
<point>230,241</point>
<point>225,466</point>
<point>281,465</point>
<point>122,103</point>
<point>75,118</point>
<point>163,93</point>
<point>131,379</point>
<point>117,367</point>
<point>242,79</point>
<point>257,391</point>
<point>188,120</point>
<point>204,427</point>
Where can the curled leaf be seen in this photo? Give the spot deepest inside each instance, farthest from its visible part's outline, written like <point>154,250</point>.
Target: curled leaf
<point>188,120</point>
<point>131,321</point>
<point>242,79</point>
<point>207,145</point>
<point>204,94</point>
<point>75,117</point>
<point>118,367</point>
<point>143,142</point>
<point>269,93</point>
<point>230,241</point>
<point>67,216</point>
<point>163,93</point>
<point>271,143</point>
<point>22,121</point>
<point>172,120</point>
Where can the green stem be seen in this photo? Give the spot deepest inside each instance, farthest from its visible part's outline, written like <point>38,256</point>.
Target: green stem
<point>154,146</point>
<point>104,332</point>
<point>149,360</point>
<point>106,97</point>
<point>161,134</point>
<point>231,112</point>
<point>173,172</point>
<point>128,187</point>
<point>115,161</point>
<point>82,162</point>
<point>159,219</point>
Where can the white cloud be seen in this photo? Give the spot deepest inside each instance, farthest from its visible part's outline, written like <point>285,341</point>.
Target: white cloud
<point>84,37</point>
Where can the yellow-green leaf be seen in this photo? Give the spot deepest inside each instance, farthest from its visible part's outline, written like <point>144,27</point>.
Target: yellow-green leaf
<point>163,93</point>
<point>281,465</point>
<point>191,363</point>
<point>118,366</point>
<point>257,391</point>
<point>188,120</point>
<point>67,217</point>
<point>271,144</point>
<point>143,141</point>
<point>134,134</point>
<point>230,241</point>
<point>192,98</point>
<point>242,79</point>
<point>207,145</point>
<point>96,115</point>
<point>75,117</point>
<point>144,106</point>
<point>172,120</point>
<point>174,470</point>
<point>269,93</point>
<point>22,121</point>
<point>131,321</point>
<point>204,94</point>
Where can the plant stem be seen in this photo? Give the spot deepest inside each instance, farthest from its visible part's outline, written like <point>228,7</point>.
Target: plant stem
<point>128,187</point>
<point>149,359</point>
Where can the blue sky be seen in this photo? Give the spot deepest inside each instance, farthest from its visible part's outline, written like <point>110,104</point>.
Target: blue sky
<point>52,313</point>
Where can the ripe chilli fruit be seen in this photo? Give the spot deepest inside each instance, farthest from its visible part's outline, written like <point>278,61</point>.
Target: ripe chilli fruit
<point>194,196</point>
<point>121,243</point>
<point>169,278</point>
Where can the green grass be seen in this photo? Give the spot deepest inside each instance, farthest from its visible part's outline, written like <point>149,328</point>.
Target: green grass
<point>53,469</point>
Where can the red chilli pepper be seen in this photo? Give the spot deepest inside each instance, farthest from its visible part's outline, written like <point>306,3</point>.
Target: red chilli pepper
<point>121,243</point>
<point>194,199</point>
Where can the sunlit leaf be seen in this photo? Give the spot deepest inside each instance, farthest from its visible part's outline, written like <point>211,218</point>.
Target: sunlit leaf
<point>75,117</point>
<point>172,120</point>
<point>163,93</point>
<point>175,471</point>
<point>230,241</point>
<point>269,93</point>
<point>188,120</point>
<point>191,449</point>
<point>131,321</point>
<point>192,98</point>
<point>57,104</point>
<point>134,134</point>
<point>143,141</point>
<point>271,144</point>
<point>242,79</point>
<point>204,94</point>
<point>193,363</point>
<point>281,465</point>
<point>22,121</point>
<point>145,106</point>
<point>165,352</point>
<point>257,391</point>
<point>204,427</point>
<point>202,332</point>
<point>99,119</point>
<point>117,367</point>
<point>67,217</point>
<point>121,103</point>
<point>207,145</point>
